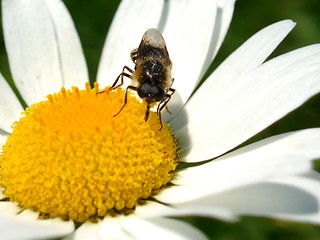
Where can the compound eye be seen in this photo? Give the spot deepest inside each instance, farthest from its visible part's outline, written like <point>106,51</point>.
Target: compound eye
<point>151,93</point>
<point>157,93</point>
<point>144,90</point>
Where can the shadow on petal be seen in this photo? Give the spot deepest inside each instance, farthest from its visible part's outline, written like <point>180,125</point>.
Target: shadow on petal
<point>265,199</point>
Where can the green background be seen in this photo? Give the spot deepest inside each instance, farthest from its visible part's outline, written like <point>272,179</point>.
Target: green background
<point>92,19</point>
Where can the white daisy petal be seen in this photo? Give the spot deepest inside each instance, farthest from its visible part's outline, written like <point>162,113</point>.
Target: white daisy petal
<point>312,175</point>
<point>224,16</point>
<point>87,231</point>
<point>159,228</point>
<point>246,58</point>
<point>28,226</point>
<point>222,22</point>
<point>154,209</point>
<point>303,211</point>
<point>111,228</point>
<point>132,19</point>
<point>73,64</point>
<point>281,155</point>
<point>190,39</point>
<point>43,47</point>
<point>10,107</point>
<point>254,102</point>
<point>194,185</point>
<point>3,137</point>
<point>293,198</point>
<point>216,18</point>
<point>9,208</point>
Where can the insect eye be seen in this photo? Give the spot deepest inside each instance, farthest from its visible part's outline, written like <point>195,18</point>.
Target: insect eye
<point>144,90</point>
<point>154,93</point>
<point>157,93</point>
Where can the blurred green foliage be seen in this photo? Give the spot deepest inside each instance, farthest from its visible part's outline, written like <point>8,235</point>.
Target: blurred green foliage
<point>92,19</point>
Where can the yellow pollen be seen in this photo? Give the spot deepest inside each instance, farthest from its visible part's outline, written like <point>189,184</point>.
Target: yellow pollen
<point>69,157</point>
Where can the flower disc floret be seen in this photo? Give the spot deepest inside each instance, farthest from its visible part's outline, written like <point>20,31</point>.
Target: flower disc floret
<point>70,157</point>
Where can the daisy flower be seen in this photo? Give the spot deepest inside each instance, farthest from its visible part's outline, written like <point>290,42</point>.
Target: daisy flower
<point>69,169</point>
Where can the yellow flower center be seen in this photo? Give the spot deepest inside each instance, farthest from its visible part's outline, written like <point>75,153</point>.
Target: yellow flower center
<point>69,157</point>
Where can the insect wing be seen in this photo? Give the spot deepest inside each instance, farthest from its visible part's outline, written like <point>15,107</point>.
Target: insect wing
<point>153,46</point>
<point>153,38</point>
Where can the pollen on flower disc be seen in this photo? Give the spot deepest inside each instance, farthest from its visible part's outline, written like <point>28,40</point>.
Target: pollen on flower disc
<point>69,157</point>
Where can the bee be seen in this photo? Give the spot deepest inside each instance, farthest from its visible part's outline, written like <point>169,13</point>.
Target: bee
<point>152,73</point>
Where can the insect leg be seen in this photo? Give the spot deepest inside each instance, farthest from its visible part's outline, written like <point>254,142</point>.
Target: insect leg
<point>121,75</point>
<point>134,55</point>
<point>163,104</point>
<point>126,98</point>
<point>147,112</point>
<point>172,91</point>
